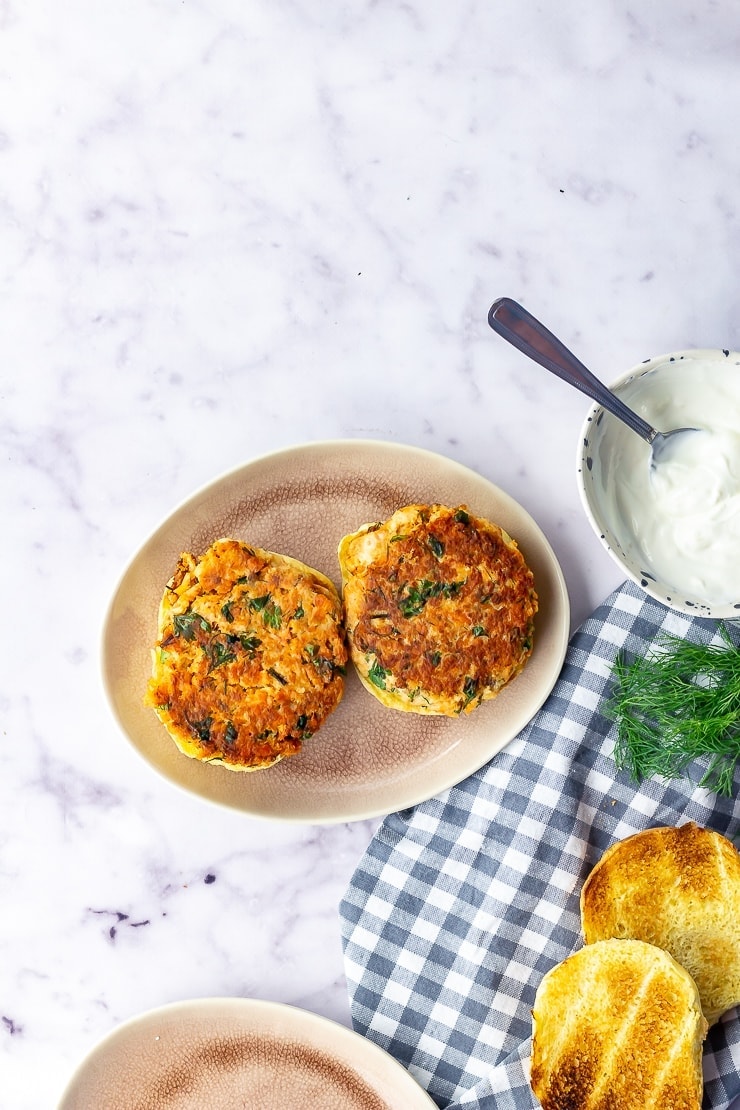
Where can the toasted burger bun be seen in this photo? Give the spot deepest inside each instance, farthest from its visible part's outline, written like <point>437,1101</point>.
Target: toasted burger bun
<point>250,657</point>
<point>678,888</point>
<point>439,606</point>
<point>618,1026</point>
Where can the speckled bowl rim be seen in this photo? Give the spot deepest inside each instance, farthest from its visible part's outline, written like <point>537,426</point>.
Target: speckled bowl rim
<point>124,1060</point>
<point>694,606</point>
<point>372,760</point>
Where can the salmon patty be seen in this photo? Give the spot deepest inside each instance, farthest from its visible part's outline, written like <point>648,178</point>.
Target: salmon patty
<point>439,608</point>
<point>250,657</point>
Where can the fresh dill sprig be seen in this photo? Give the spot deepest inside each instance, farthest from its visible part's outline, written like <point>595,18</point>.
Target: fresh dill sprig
<point>677,703</point>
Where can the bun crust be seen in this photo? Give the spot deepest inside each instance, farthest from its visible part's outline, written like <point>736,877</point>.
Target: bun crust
<point>618,1026</point>
<point>677,888</point>
<point>440,608</point>
<point>250,655</point>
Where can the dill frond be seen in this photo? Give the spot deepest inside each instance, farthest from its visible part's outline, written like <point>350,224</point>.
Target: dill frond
<point>677,703</point>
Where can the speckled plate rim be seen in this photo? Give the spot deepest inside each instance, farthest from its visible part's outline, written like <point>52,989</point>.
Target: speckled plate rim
<point>642,576</point>
<point>210,1018</point>
<point>343,789</point>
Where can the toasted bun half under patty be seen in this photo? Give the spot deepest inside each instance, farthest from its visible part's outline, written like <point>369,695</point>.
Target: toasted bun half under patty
<point>679,888</point>
<point>439,608</point>
<point>618,1026</point>
<point>250,657</point>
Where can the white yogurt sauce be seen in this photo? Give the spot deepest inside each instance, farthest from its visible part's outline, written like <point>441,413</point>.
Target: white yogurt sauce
<point>683,515</point>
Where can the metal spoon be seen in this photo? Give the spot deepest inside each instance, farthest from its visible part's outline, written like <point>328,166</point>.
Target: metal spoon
<point>524,332</point>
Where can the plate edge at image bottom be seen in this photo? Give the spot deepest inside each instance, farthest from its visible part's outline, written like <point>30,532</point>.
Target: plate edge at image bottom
<point>356,1068</point>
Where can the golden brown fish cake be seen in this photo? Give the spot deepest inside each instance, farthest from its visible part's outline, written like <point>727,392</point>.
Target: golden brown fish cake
<point>439,608</point>
<point>250,657</point>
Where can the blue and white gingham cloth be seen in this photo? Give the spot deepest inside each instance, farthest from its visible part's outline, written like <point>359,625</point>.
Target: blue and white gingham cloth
<point>461,904</point>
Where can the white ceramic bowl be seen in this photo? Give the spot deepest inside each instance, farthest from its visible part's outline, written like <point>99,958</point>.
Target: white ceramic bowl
<point>599,471</point>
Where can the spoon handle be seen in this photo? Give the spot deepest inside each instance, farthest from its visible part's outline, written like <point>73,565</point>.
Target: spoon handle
<point>527,334</point>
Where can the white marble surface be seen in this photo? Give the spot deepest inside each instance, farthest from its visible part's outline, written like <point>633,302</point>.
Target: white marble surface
<point>229,226</point>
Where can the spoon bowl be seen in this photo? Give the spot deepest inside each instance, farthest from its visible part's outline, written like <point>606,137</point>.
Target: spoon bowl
<point>520,328</point>
<point>663,444</point>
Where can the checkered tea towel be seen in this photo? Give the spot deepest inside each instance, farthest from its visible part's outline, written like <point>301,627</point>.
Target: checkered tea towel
<point>461,904</point>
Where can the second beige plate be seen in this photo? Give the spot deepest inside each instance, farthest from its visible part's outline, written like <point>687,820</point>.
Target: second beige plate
<point>366,760</point>
<point>224,1053</point>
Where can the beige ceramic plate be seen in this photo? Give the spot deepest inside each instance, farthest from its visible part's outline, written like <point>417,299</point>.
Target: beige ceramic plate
<point>366,760</point>
<point>222,1053</point>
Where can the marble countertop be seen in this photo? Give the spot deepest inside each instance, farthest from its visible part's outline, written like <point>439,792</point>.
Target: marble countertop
<point>232,226</point>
